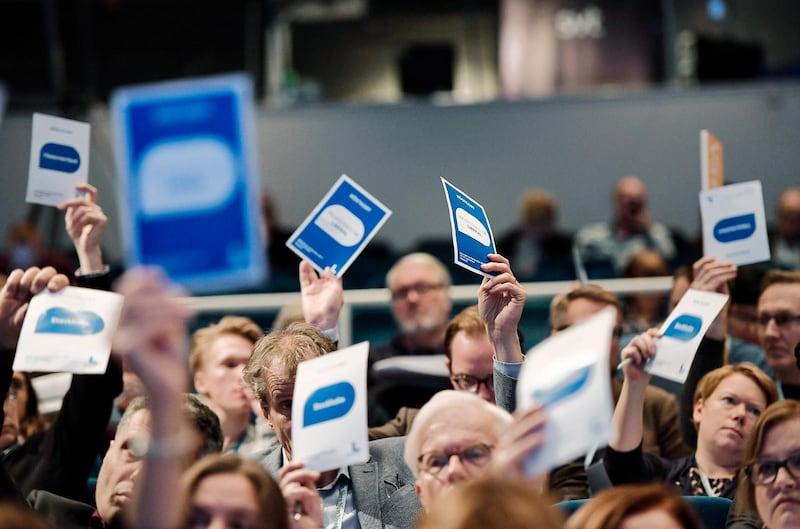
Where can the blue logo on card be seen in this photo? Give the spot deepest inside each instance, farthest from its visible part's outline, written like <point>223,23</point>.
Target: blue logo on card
<point>735,228</point>
<point>569,386</point>
<point>57,157</point>
<point>328,403</point>
<point>684,327</point>
<point>60,320</point>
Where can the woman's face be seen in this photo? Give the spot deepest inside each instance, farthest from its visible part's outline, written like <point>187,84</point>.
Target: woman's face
<point>652,519</point>
<point>225,501</point>
<point>724,419</point>
<point>778,503</point>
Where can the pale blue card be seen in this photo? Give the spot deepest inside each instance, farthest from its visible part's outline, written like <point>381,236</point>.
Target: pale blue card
<point>339,227</point>
<point>188,181</point>
<point>472,236</point>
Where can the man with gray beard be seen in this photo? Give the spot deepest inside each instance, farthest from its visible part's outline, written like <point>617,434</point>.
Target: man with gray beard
<point>421,305</point>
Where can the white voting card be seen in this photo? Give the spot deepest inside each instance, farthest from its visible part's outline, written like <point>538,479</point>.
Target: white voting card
<point>734,224</point>
<point>329,409</point>
<point>569,375</point>
<point>682,332</point>
<point>472,236</point>
<point>59,159</point>
<point>339,227</point>
<point>68,331</point>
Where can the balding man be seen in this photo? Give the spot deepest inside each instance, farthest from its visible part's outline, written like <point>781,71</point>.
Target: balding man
<point>630,230</point>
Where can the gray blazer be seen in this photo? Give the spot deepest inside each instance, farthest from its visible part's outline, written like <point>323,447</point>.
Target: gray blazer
<point>383,487</point>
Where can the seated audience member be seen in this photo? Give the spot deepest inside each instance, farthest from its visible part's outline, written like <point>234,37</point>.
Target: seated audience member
<point>270,374</point>
<point>769,483</point>
<point>151,335</point>
<point>483,438</point>
<point>779,327</point>
<point>535,246</point>
<point>785,238</point>
<point>636,507</point>
<point>228,491</point>
<point>727,403</point>
<point>421,306</point>
<point>645,309</point>
<point>493,503</point>
<point>630,229</point>
<point>219,354</point>
<point>60,458</point>
<point>708,273</point>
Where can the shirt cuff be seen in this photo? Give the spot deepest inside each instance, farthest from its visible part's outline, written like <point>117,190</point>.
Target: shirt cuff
<point>509,369</point>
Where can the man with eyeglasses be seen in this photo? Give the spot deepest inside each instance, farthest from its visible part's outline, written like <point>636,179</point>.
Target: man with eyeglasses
<point>421,305</point>
<point>458,436</point>
<point>779,327</point>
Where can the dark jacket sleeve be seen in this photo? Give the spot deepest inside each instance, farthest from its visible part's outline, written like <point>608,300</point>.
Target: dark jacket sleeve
<point>710,355</point>
<point>569,481</point>
<point>634,466</point>
<point>8,489</point>
<point>60,459</point>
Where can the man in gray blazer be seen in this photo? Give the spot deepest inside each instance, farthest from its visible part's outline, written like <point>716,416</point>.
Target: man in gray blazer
<point>376,494</point>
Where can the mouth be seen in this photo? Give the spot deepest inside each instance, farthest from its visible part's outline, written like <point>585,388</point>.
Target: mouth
<point>734,431</point>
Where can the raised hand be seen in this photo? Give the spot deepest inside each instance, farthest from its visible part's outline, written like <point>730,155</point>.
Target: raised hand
<point>298,485</point>
<point>501,300</point>
<point>20,287</point>
<point>322,296</point>
<point>85,223</point>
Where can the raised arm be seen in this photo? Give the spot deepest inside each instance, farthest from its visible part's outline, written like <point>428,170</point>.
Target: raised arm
<point>501,300</point>
<point>152,337</point>
<point>322,297</point>
<point>628,422</point>
<point>85,223</point>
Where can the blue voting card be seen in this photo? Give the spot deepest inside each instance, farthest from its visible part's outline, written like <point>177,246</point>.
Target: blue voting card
<point>472,236</point>
<point>339,227</point>
<point>188,183</point>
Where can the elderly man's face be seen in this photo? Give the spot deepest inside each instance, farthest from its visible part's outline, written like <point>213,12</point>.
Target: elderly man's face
<point>466,436</point>
<point>471,364</point>
<point>280,391</point>
<point>420,300</point>
<point>779,330</point>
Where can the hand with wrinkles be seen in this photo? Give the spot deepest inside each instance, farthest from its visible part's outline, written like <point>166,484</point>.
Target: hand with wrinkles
<point>303,502</point>
<point>85,224</point>
<point>322,296</point>
<point>501,300</point>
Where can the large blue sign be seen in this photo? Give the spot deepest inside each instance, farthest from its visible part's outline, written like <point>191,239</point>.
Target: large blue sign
<point>188,189</point>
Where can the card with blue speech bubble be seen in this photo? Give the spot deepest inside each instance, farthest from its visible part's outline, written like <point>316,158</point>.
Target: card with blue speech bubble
<point>329,409</point>
<point>68,331</point>
<point>339,227</point>
<point>472,235</point>
<point>682,332</point>
<point>59,159</point>
<point>188,169</point>
<point>568,374</point>
<point>734,224</point>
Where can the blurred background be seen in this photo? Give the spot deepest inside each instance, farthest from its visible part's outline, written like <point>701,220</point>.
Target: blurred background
<point>497,96</point>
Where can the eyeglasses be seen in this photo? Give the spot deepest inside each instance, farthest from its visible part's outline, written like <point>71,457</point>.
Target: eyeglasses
<point>783,320</point>
<point>473,384</point>
<point>420,288</point>
<point>764,472</point>
<point>473,456</point>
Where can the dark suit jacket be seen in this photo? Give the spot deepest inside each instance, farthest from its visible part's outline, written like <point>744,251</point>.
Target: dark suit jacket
<point>383,487</point>
<point>63,513</point>
<point>397,427</point>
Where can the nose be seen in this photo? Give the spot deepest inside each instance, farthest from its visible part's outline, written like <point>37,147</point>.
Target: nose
<point>485,393</point>
<point>739,412</point>
<point>456,471</point>
<point>783,479</point>
<point>772,329</point>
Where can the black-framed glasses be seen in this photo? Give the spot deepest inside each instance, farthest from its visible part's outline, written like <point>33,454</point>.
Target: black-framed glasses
<point>420,288</point>
<point>473,384</point>
<point>476,455</point>
<point>765,471</point>
<point>784,320</point>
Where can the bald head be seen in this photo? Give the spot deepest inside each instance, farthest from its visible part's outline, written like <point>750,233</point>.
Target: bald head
<point>788,214</point>
<point>630,204</point>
